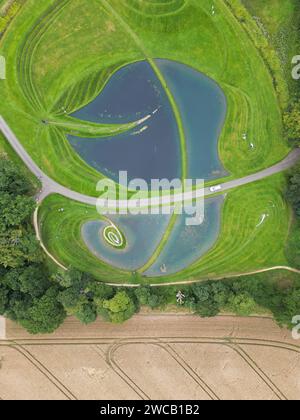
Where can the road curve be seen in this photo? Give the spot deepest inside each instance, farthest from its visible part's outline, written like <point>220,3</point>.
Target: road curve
<point>49,186</point>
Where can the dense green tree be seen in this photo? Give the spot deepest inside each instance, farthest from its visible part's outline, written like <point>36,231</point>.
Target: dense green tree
<point>26,294</point>
<point>71,278</point>
<point>143,295</point>
<point>45,314</point>
<point>203,292</point>
<point>207,309</point>
<point>15,210</point>
<point>292,123</point>
<point>63,278</point>
<point>4,299</point>
<point>18,305</point>
<point>205,299</point>
<point>11,180</point>
<point>242,304</point>
<point>293,246</point>
<point>118,309</point>
<point>293,196</point>
<point>32,280</point>
<point>18,246</point>
<point>81,291</point>
<point>100,291</point>
<point>288,306</point>
<point>293,191</point>
<point>87,313</point>
<point>72,300</point>
<point>155,301</point>
<point>221,291</point>
<point>155,297</point>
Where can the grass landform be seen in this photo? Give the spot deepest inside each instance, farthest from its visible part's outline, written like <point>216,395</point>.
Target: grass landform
<point>60,55</point>
<point>247,240</point>
<point>51,79</point>
<point>114,237</point>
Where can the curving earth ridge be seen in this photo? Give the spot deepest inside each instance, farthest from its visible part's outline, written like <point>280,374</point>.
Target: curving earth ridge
<point>163,89</point>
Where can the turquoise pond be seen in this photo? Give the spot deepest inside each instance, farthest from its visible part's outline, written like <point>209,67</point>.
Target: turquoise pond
<point>143,234</point>
<point>151,151</point>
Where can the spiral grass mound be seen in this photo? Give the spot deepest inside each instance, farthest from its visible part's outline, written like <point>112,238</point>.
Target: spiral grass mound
<point>62,54</point>
<point>114,237</point>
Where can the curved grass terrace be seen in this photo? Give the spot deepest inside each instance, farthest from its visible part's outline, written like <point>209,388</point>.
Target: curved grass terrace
<point>245,244</point>
<point>63,78</point>
<point>51,79</point>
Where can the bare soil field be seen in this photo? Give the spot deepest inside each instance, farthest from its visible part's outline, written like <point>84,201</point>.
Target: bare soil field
<point>153,356</point>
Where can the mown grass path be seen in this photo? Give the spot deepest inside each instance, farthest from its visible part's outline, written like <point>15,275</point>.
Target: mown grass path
<point>184,161</point>
<point>51,187</point>
<point>62,166</point>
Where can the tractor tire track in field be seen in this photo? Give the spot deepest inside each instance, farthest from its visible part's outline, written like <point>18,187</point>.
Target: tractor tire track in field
<point>122,374</point>
<point>127,380</point>
<point>194,375</point>
<point>235,343</point>
<point>191,372</point>
<point>173,355</point>
<point>181,362</point>
<point>147,340</point>
<point>44,371</point>
<point>259,372</point>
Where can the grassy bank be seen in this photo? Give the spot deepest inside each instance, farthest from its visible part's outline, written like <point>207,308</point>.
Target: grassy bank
<point>248,241</point>
<point>280,24</point>
<point>49,74</point>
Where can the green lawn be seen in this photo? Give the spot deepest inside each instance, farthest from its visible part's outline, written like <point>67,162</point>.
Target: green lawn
<point>60,55</point>
<point>242,246</point>
<point>61,233</point>
<point>281,23</point>
<point>48,71</point>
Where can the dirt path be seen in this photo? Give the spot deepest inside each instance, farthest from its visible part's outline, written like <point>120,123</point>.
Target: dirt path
<point>2,328</point>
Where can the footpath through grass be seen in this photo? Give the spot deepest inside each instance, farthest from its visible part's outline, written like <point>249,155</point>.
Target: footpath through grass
<point>61,233</point>
<point>254,231</point>
<point>50,76</point>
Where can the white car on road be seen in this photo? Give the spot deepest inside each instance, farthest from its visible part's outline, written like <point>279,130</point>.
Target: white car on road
<point>216,188</point>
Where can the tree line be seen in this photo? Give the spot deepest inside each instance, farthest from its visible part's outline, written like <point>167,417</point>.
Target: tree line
<point>86,299</point>
<point>292,114</point>
<point>293,197</point>
<point>40,299</point>
<point>27,294</point>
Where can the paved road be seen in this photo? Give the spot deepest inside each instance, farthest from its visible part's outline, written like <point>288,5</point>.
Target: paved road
<point>51,187</point>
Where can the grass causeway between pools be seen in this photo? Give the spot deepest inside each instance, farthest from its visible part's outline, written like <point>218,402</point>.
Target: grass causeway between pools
<point>61,54</point>
<point>49,77</point>
<point>247,241</point>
